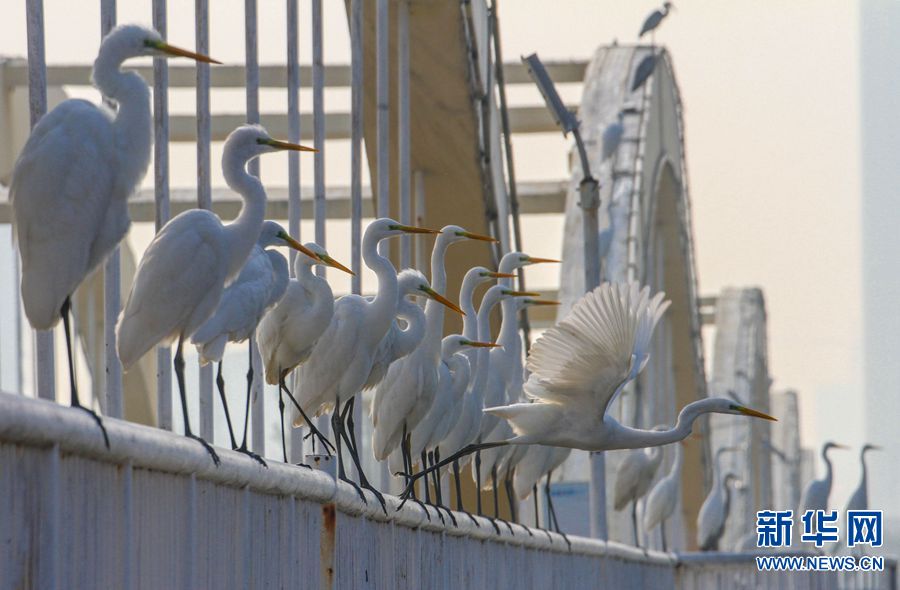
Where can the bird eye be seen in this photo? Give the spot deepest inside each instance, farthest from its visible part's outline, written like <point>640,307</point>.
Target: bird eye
<point>151,43</point>
<point>261,141</point>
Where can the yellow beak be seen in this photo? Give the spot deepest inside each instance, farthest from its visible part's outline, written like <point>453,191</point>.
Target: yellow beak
<point>755,414</point>
<point>179,52</point>
<point>284,145</point>
<point>533,260</point>
<point>483,344</point>
<point>328,260</point>
<point>472,236</point>
<point>545,302</point>
<point>443,300</point>
<point>501,275</point>
<point>411,229</point>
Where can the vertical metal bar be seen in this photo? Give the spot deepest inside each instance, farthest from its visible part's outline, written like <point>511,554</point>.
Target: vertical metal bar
<point>293,88</point>
<point>356,133</point>
<point>422,254</point>
<point>318,92</point>
<point>403,138</point>
<point>37,103</point>
<point>383,112</point>
<point>112,285</point>
<point>161,193</point>
<point>513,194</point>
<point>204,187</point>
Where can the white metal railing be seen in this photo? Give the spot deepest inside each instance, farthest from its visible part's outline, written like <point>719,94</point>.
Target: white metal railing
<point>154,513</point>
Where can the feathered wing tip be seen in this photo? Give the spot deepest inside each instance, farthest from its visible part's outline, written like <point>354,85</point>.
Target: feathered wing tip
<point>212,351</point>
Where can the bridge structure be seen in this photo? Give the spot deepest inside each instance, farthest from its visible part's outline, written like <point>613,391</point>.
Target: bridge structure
<point>429,117</point>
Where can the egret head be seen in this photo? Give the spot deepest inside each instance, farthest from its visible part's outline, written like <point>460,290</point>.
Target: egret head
<point>127,41</point>
<point>479,274</point>
<point>249,141</point>
<point>387,228</point>
<point>454,233</point>
<point>723,405</point>
<point>314,254</point>
<point>457,342</point>
<point>413,282</point>
<point>668,6</point>
<point>274,234</point>
<point>513,260</point>
<point>832,445</point>
<point>870,447</point>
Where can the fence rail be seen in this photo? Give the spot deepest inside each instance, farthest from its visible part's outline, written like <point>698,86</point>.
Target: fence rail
<point>153,512</point>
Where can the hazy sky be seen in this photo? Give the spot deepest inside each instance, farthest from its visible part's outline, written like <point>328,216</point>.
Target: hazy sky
<point>772,114</point>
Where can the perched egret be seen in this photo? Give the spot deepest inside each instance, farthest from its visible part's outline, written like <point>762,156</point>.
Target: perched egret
<point>655,18</point>
<point>612,136</point>
<point>539,461</point>
<point>341,360</point>
<point>407,391</point>
<point>400,341</point>
<point>643,71</point>
<point>663,498</point>
<point>859,500</point>
<point>181,277</point>
<point>72,180</point>
<point>287,333</point>
<point>261,284</point>
<point>581,364</point>
<point>815,495</point>
<point>634,478</point>
<point>714,513</point>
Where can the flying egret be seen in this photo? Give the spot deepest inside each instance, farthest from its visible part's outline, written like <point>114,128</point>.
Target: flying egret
<point>580,365</point>
<point>183,272</point>
<point>663,498</point>
<point>287,333</point>
<point>634,478</point>
<point>714,513</point>
<point>859,499</point>
<point>341,360</point>
<point>407,391</point>
<point>654,19</point>
<point>260,285</point>
<point>72,180</point>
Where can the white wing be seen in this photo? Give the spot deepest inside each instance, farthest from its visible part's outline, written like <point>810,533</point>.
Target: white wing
<point>587,356</point>
<point>62,186</point>
<point>177,285</point>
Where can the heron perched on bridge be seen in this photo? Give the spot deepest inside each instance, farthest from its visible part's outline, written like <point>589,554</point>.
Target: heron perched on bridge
<point>654,19</point>
<point>180,279</point>
<point>859,499</point>
<point>663,498</point>
<point>633,480</point>
<point>815,495</point>
<point>71,182</point>
<point>579,366</point>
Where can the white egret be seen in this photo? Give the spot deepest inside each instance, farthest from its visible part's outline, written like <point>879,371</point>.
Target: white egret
<point>407,391</point>
<point>287,333</point>
<point>655,18</point>
<point>539,461</point>
<point>634,478</point>
<point>261,284</point>
<point>341,360</point>
<point>72,180</point>
<point>663,498</point>
<point>859,499</point>
<point>181,277</point>
<point>815,495</point>
<point>581,364</point>
<point>612,136</point>
<point>714,513</point>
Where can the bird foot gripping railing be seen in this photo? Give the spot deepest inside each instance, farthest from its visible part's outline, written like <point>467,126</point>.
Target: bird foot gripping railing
<point>153,511</point>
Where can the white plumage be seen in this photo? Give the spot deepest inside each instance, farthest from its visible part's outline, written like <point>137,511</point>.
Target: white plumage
<point>663,498</point>
<point>714,510</point>
<point>612,136</point>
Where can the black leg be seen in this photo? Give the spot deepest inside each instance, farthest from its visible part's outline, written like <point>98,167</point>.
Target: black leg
<point>423,458</point>
<point>349,429</point>
<point>220,384</point>
<point>537,510</point>
<point>467,450</point>
<point>76,403</point>
<point>634,522</point>
<point>281,411</point>
<point>511,498</point>
<point>662,530</point>
<point>243,448</point>
<point>459,502</point>
<point>337,431</point>
<point>313,431</point>
<point>495,491</point>
<point>552,511</point>
<point>179,375</point>
<point>433,457</point>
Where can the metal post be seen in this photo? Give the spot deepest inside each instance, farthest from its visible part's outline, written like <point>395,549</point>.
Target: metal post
<point>589,191</point>
<point>403,138</point>
<point>161,194</point>
<point>356,133</point>
<point>37,103</point>
<point>383,112</point>
<point>422,254</point>
<point>204,188</point>
<point>293,88</point>
<point>112,284</point>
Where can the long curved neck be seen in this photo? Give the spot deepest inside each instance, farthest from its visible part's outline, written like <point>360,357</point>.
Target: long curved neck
<point>133,121</point>
<point>383,307</point>
<point>863,482</point>
<point>320,290</point>
<point>242,233</point>
<point>676,464</point>
<point>828,471</point>
<point>509,329</point>
<point>470,320</point>
<point>633,438</point>
<point>434,311</point>
<point>484,334</point>
<point>409,338</point>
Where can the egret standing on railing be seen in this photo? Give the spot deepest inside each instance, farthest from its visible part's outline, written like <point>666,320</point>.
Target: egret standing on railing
<point>663,498</point>
<point>859,499</point>
<point>72,180</point>
<point>815,495</point>
<point>714,513</point>
<point>181,277</point>
<point>287,334</point>
<point>340,362</point>
<point>579,366</point>
<point>633,480</point>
